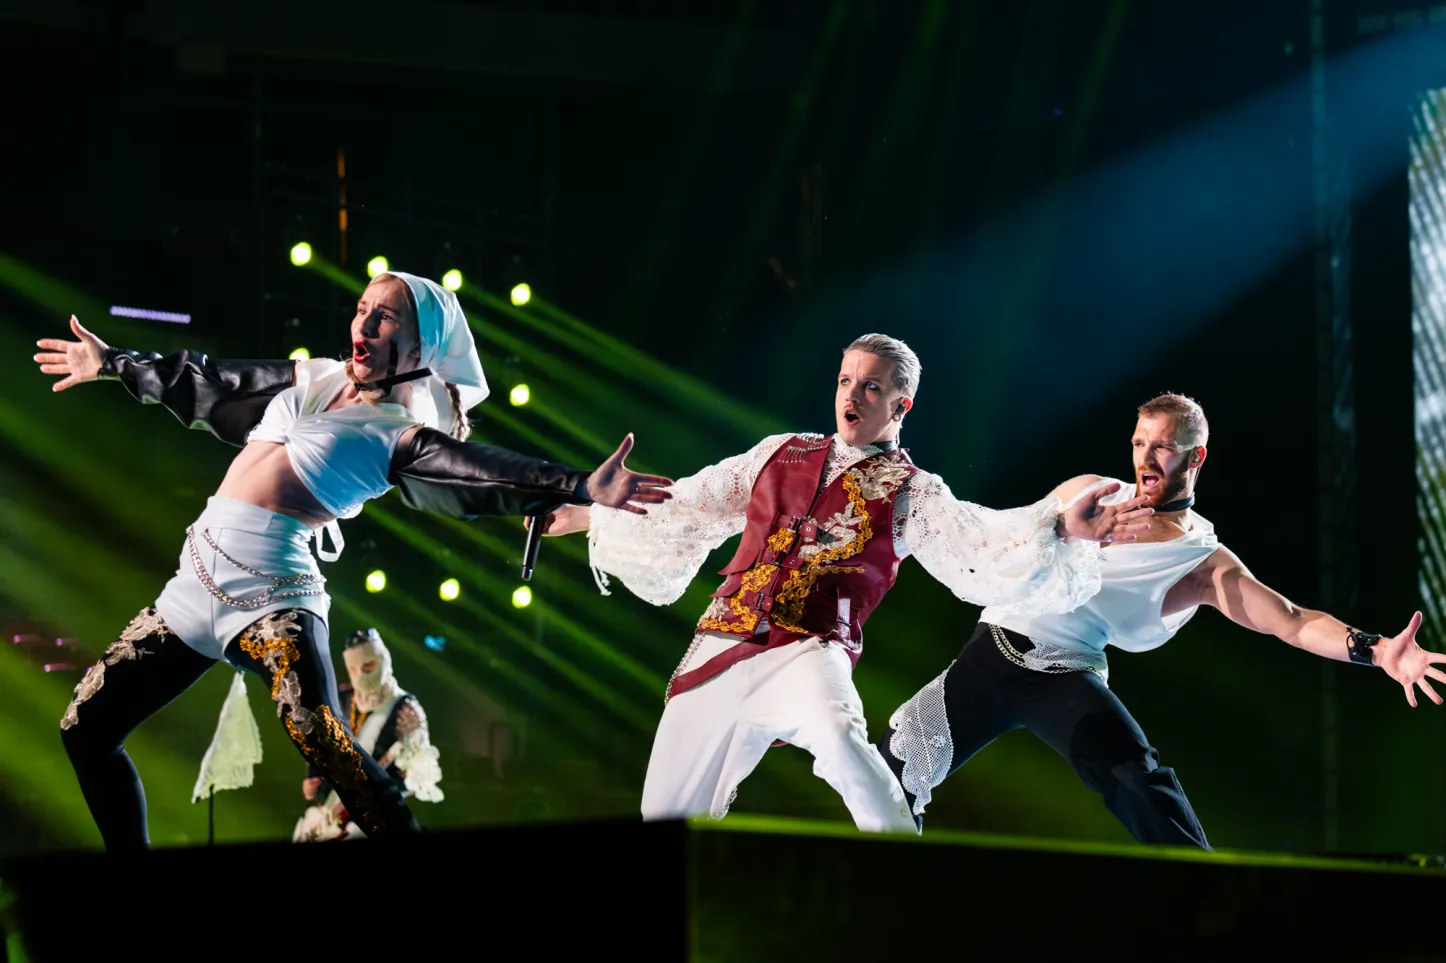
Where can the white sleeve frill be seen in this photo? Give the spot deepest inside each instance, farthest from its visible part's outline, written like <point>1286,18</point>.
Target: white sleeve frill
<point>657,555</point>
<point>989,557</point>
<point>416,757</point>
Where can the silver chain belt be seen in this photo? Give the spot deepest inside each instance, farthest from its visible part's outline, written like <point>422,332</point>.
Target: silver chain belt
<point>1014,655</point>
<point>692,647</point>
<point>282,586</point>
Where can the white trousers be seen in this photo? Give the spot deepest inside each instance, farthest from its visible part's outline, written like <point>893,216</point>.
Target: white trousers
<point>711,737</point>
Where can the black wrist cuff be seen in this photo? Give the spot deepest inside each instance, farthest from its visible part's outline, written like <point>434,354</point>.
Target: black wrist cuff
<point>110,362</point>
<point>1359,645</point>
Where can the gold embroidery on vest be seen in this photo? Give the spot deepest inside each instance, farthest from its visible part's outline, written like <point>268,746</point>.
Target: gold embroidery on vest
<point>780,540</point>
<point>753,580</point>
<point>882,478</point>
<point>788,604</point>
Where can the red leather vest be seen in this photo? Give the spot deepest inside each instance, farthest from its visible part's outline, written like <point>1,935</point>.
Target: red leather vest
<point>814,562</point>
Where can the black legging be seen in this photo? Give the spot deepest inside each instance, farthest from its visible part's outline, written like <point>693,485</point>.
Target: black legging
<point>1075,713</point>
<point>149,666</point>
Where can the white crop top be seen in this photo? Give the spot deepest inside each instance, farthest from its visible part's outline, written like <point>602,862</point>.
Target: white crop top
<point>1134,579</point>
<point>343,456</point>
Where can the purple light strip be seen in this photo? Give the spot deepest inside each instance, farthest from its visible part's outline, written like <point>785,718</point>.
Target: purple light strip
<point>144,314</point>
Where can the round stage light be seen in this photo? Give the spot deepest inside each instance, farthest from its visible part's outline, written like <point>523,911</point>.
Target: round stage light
<point>449,590</point>
<point>519,395</point>
<point>521,294</point>
<point>521,597</point>
<point>301,254</point>
<point>377,265</point>
<point>300,354</point>
<point>376,581</point>
<point>452,280</point>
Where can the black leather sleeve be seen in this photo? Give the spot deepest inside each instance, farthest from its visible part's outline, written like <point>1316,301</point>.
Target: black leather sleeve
<point>227,398</point>
<point>460,479</point>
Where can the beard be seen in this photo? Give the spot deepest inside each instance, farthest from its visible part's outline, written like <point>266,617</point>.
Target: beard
<point>1171,487</point>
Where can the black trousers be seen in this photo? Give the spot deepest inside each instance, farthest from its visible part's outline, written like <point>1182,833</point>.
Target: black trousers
<point>149,666</point>
<point>1075,713</point>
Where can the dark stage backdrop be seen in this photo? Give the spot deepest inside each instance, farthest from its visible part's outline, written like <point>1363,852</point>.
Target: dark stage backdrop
<point>991,183</point>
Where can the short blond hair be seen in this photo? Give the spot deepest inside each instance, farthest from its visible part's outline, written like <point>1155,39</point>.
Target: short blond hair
<point>1185,410</point>
<point>906,363</point>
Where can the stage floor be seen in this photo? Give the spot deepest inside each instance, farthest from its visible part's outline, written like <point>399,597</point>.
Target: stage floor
<point>745,889</point>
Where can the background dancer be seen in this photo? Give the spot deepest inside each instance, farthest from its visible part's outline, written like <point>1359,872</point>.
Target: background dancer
<point>381,714</point>
<point>825,522</point>
<point>1047,672</point>
<point>248,589</point>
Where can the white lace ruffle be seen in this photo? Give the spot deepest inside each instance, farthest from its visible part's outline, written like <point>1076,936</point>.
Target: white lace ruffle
<point>922,741</point>
<point>656,555</point>
<point>995,557</point>
<point>416,757</point>
<point>422,770</point>
<point>235,750</point>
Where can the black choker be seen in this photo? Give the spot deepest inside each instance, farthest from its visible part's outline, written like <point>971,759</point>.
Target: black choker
<point>889,445</point>
<point>383,385</point>
<point>1178,505</point>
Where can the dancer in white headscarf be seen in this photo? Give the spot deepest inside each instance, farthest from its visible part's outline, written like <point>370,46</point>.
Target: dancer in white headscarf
<point>331,435</point>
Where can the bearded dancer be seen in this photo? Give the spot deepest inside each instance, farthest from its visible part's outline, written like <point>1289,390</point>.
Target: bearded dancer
<point>382,715</point>
<point>331,436</point>
<point>825,523</point>
<point>1047,672</point>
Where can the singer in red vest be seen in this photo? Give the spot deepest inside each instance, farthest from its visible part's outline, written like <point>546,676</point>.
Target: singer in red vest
<point>825,523</point>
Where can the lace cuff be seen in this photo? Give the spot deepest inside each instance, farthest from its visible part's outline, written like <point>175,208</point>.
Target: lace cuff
<point>1060,574</point>
<point>655,561</point>
<point>1009,558</point>
<point>657,555</point>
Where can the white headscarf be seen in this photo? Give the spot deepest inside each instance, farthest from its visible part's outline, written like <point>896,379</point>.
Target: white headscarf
<point>448,349</point>
<point>369,689</point>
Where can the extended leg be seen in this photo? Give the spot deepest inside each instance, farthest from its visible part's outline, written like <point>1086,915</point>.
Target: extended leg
<point>146,668</point>
<point>814,705</point>
<point>946,722</point>
<point>701,752</point>
<point>1085,722</point>
<point>289,651</point>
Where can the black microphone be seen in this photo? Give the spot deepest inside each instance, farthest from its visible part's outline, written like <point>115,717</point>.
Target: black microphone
<point>534,541</point>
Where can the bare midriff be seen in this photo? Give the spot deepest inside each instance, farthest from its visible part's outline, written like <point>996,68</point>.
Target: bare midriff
<point>262,475</point>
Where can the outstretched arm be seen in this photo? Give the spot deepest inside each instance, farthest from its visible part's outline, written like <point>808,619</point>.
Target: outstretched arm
<point>226,398</point>
<point>657,555</point>
<point>1036,559</point>
<point>1224,582</point>
<point>461,479</point>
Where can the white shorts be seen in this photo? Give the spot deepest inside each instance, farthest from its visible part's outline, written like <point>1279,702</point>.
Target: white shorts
<point>276,545</point>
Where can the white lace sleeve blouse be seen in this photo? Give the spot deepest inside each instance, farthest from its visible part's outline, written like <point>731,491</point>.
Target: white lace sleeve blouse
<point>983,556</point>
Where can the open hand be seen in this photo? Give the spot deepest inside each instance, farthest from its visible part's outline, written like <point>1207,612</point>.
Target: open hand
<point>616,486</point>
<point>1087,519</point>
<point>1408,663</point>
<point>565,520</point>
<point>78,360</point>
